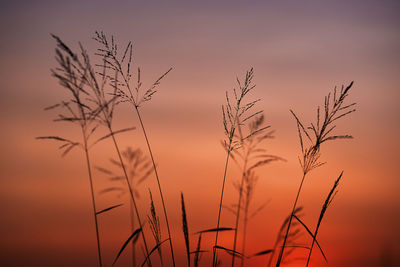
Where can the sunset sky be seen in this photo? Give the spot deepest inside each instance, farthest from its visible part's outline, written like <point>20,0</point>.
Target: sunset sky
<point>300,50</point>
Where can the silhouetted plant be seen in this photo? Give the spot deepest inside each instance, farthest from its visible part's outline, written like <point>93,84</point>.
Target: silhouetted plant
<point>249,157</point>
<point>74,74</point>
<point>122,64</point>
<point>317,134</point>
<point>234,113</point>
<point>292,237</point>
<point>327,203</point>
<point>95,94</point>
<point>155,228</point>
<point>104,105</point>
<point>185,229</point>
<point>138,169</point>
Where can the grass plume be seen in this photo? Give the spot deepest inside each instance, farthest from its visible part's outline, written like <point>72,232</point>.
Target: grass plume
<point>317,134</point>
<point>75,74</point>
<point>135,96</point>
<point>104,104</point>
<point>155,228</point>
<point>234,113</point>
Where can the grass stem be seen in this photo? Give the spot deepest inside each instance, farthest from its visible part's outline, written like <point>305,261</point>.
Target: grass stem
<point>220,202</point>
<point>158,182</point>
<point>93,201</point>
<point>130,192</point>
<point>280,257</point>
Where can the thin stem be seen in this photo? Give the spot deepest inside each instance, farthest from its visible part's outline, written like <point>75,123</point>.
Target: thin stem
<point>131,193</point>
<point>311,248</point>
<point>92,193</point>
<point>158,183</point>
<point>132,229</point>
<point>280,258</point>
<point>135,104</point>
<point>222,196</point>
<point>244,231</point>
<point>238,208</point>
<point>272,254</point>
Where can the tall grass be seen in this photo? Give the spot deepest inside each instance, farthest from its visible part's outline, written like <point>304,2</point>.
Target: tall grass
<point>327,202</point>
<point>104,106</point>
<point>75,75</point>
<point>234,113</point>
<point>96,90</point>
<point>317,134</point>
<point>155,228</point>
<point>249,157</point>
<point>138,169</point>
<point>123,66</point>
<point>281,234</point>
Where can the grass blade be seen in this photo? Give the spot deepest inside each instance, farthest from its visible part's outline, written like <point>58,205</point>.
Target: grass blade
<point>113,133</point>
<point>264,252</point>
<point>185,229</point>
<point>309,232</point>
<point>109,208</point>
<point>135,233</point>
<point>197,252</point>
<point>220,229</point>
<point>152,251</point>
<point>230,251</point>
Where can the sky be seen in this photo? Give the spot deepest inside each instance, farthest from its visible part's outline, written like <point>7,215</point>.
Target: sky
<point>300,50</point>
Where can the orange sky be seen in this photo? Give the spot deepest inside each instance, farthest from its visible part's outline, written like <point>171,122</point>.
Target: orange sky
<point>299,53</point>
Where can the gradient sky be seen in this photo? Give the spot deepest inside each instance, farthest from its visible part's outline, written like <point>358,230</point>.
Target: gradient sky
<point>300,50</point>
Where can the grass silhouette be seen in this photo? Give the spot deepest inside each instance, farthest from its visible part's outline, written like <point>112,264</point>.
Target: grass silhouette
<point>234,113</point>
<point>125,93</point>
<point>96,90</point>
<point>138,169</point>
<point>252,156</point>
<point>317,134</point>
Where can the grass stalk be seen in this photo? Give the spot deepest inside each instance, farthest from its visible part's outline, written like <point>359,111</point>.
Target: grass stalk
<point>109,53</point>
<point>154,222</point>
<point>328,201</point>
<point>220,201</point>
<point>246,212</point>
<point>133,248</point>
<point>253,157</point>
<point>238,210</point>
<point>317,134</point>
<point>74,75</point>
<point>280,257</point>
<point>130,191</point>
<point>93,199</point>
<point>235,113</point>
<point>158,182</point>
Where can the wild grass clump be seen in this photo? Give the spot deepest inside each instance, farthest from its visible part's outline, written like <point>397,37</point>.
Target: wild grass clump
<point>96,91</point>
